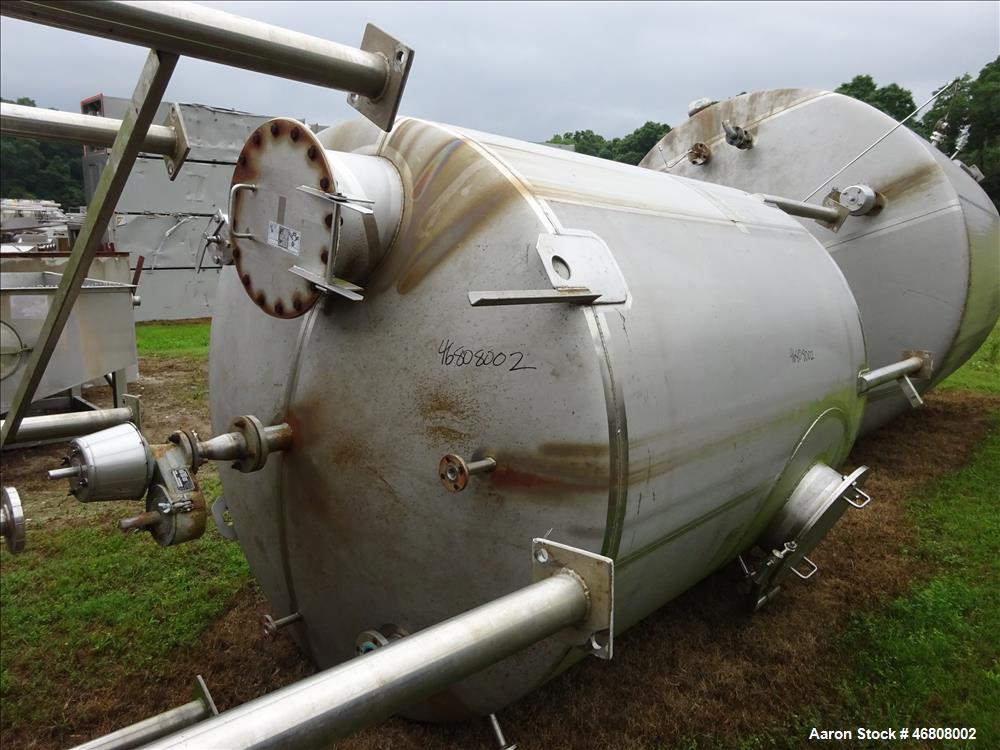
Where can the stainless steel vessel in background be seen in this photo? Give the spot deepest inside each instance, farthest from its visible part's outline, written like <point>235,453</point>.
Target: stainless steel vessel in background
<point>923,262</point>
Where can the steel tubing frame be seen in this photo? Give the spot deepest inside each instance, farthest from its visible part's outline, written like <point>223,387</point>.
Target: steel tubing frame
<point>332,704</point>
<point>55,426</point>
<point>216,36</point>
<point>53,125</point>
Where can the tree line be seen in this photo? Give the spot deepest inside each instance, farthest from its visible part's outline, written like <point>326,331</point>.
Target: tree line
<point>41,169</point>
<point>971,109</point>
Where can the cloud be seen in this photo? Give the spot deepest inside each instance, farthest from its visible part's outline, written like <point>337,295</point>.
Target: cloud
<point>529,70</point>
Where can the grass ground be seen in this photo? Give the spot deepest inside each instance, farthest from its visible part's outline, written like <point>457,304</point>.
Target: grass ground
<point>901,633</point>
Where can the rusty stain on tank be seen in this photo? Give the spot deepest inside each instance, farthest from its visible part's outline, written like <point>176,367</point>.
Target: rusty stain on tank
<point>437,217</point>
<point>923,177</point>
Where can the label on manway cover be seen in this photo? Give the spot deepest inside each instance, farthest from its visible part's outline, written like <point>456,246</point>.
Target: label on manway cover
<point>283,238</point>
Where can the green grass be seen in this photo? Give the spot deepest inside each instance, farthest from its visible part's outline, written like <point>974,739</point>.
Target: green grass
<point>932,658</point>
<point>183,339</point>
<point>982,371</point>
<point>92,601</point>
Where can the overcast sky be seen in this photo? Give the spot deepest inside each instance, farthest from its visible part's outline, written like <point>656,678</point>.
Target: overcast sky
<point>534,69</point>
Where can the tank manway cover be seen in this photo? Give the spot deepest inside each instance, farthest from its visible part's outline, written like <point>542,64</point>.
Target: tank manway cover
<point>274,226</point>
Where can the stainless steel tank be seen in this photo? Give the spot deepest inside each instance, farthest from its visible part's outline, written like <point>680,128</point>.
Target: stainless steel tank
<point>653,363</point>
<point>925,269</point>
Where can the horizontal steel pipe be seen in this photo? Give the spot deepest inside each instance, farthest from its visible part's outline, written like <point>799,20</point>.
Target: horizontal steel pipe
<point>801,209</point>
<point>332,704</point>
<point>54,426</point>
<point>873,378</point>
<point>151,729</point>
<point>195,31</point>
<point>53,125</point>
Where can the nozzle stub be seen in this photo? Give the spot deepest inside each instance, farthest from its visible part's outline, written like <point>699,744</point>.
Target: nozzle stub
<point>454,471</point>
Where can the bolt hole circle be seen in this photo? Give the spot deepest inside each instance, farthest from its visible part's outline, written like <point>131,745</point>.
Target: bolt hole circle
<point>452,473</point>
<point>561,267</point>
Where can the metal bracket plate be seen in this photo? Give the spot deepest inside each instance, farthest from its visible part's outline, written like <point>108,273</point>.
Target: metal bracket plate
<point>596,631</point>
<point>925,372</point>
<point>134,406</point>
<point>578,258</point>
<point>174,161</point>
<point>382,110</point>
<point>832,200</point>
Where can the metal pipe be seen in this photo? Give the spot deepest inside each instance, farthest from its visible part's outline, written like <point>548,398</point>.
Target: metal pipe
<point>278,437</point>
<point>330,705</point>
<point>227,447</point>
<point>150,729</point>
<point>873,378</point>
<point>53,125</point>
<point>800,208</point>
<point>195,31</point>
<point>160,725</point>
<point>56,426</point>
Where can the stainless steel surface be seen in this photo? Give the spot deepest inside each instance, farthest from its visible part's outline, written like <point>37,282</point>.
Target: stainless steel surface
<point>113,464</point>
<point>658,432</point>
<point>161,725</point>
<point>98,337</point>
<point>208,34</point>
<point>330,705</point>
<point>148,93</point>
<point>923,269</point>
<point>878,140</point>
<point>72,424</point>
<point>70,127</point>
<point>498,733</point>
<point>12,520</point>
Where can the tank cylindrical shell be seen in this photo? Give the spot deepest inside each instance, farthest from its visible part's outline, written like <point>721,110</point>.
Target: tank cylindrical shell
<point>924,268</point>
<point>660,430</point>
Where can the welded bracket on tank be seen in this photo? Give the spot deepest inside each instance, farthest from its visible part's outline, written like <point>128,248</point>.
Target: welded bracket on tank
<point>832,200</point>
<point>917,363</point>
<point>580,296</point>
<point>175,159</point>
<point>595,631</point>
<point>577,258</point>
<point>399,58</point>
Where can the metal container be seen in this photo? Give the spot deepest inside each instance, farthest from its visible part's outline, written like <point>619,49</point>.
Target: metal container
<point>664,425</point>
<point>99,337</point>
<point>924,268</point>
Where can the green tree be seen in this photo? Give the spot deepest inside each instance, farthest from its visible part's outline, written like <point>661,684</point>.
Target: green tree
<point>892,99</point>
<point>40,169</point>
<point>629,149</point>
